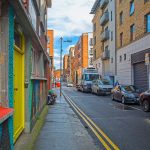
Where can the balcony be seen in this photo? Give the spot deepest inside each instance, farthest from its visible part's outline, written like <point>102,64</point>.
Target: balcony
<point>105,35</point>
<point>103,3</point>
<point>106,55</point>
<point>104,19</point>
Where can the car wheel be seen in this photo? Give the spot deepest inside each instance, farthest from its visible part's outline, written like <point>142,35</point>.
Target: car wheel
<point>146,106</point>
<point>97,93</point>
<point>112,97</point>
<point>83,90</point>
<point>123,100</point>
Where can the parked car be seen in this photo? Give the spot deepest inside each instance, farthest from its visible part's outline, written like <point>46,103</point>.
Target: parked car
<point>145,100</point>
<point>126,94</point>
<point>101,87</point>
<point>69,85</point>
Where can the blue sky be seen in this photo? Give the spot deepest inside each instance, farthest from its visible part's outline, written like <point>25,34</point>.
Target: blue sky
<point>65,48</point>
<point>69,19</point>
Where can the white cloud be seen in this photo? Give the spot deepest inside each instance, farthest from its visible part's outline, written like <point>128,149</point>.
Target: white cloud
<point>70,18</point>
<point>57,58</point>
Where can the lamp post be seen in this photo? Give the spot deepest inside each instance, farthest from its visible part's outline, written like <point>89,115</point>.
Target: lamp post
<point>61,40</point>
<point>61,50</point>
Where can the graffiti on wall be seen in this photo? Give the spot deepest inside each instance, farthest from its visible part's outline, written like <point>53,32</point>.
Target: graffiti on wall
<point>38,98</point>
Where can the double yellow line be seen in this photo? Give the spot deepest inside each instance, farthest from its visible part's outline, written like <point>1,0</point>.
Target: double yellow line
<point>102,137</point>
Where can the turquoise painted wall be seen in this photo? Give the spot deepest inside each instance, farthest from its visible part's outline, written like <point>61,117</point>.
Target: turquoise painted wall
<point>10,70</point>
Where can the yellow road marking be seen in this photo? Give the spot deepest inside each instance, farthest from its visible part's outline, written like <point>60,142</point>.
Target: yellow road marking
<point>100,131</point>
<point>95,132</point>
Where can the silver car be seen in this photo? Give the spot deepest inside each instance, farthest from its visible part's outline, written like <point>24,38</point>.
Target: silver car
<point>101,87</point>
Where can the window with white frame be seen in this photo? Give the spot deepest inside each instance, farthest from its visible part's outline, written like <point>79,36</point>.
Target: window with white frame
<point>32,13</point>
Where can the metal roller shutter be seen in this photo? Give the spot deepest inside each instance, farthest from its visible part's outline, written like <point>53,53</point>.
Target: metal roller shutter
<point>141,76</point>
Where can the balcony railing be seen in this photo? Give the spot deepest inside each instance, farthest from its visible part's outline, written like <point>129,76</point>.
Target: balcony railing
<point>105,35</point>
<point>103,3</point>
<point>106,55</point>
<point>105,18</point>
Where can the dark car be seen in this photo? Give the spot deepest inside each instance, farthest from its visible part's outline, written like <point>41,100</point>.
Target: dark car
<point>145,100</point>
<point>126,94</point>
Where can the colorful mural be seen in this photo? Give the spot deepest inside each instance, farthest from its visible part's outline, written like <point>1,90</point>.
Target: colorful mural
<point>38,98</point>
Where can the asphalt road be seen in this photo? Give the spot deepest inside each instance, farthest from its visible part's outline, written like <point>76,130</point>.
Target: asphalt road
<point>127,126</point>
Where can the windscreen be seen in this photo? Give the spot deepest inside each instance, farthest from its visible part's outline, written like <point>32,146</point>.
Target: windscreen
<point>104,82</point>
<point>91,77</point>
<point>129,88</point>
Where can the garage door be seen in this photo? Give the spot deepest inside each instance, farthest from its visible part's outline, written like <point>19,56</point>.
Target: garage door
<point>141,76</point>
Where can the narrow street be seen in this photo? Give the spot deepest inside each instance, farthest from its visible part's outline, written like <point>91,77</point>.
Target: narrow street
<point>126,125</point>
<point>63,130</point>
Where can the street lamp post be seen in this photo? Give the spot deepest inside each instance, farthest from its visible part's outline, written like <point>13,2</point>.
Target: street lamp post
<point>61,50</point>
<point>61,40</point>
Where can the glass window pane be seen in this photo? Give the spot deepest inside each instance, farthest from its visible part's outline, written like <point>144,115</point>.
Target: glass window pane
<point>131,7</point>
<point>148,22</point>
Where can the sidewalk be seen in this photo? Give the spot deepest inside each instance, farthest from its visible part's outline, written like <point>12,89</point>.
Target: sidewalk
<point>63,130</point>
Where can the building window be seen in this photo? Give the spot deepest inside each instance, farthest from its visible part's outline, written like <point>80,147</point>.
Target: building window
<point>111,35</point>
<point>95,54</point>
<point>147,22</point>
<point>18,39</point>
<point>121,18</point>
<point>132,7</point>
<point>121,39</point>
<point>106,29</point>
<point>125,56</point>
<point>106,49</point>
<point>91,60</point>
<point>48,50</point>
<point>32,14</point>
<point>111,15</point>
<point>91,51</point>
<point>48,40</point>
<point>132,32</point>
<point>145,1</point>
<point>91,41</point>
<point>120,1</point>
<point>120,59</point>
<point>94,27</point>
<point>111,60</point>
<point>95,40</point>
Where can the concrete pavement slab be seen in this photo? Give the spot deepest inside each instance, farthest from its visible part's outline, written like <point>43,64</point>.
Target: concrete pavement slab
<point>63,130</point>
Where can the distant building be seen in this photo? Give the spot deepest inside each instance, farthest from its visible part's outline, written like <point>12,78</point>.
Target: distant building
<point>71,60</point>
<point>104,35</point>
<point>57,75</point>
<point>50,51</point>
<point>83,53</point>
<point>133,42</point>
<point>65,67</point>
